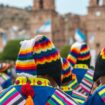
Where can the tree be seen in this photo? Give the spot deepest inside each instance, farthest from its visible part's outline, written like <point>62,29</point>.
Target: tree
<point>11,50</point>
<point>65,50</point>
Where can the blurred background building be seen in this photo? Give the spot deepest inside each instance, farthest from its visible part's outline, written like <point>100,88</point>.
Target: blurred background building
<point>42,18</point>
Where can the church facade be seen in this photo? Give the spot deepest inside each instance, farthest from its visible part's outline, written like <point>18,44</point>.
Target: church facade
<point>60,28</point>
<point>43,11</point>
<point>95,22</point>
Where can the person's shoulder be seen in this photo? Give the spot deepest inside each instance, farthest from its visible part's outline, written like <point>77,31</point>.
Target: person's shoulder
<point>61,98</point>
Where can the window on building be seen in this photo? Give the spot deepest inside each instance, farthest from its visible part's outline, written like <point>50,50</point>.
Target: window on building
<point>41,4</point>
<point>98,45</point>
<point>100,2</point>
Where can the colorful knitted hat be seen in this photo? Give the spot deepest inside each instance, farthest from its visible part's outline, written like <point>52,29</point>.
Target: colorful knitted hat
<point>66,74</point>
<point>39,56</point>
<point>79,54</point>
<point>100,65</point>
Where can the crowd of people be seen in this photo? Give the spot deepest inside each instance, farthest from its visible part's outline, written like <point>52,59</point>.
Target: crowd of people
<point>43,77</point>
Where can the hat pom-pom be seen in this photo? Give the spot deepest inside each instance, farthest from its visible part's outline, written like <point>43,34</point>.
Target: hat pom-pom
<point>27,90</point>
<point>29,101</point>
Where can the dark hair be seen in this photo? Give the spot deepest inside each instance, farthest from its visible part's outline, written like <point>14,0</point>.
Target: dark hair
<point>51,69</point>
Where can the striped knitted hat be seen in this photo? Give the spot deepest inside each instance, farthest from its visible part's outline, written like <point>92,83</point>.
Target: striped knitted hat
<point>39,56</point>
<point>66,74</point>
<point>79,54</point>
<point>100,65</point>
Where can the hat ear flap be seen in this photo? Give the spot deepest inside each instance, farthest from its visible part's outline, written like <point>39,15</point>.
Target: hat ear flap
<point>100,65</point>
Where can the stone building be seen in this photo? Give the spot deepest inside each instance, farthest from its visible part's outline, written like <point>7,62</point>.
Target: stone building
<point>95,22</point>
<point>62,27</point>
<point>43,10</point>
<point>91,24</point>
<point>13,20</point>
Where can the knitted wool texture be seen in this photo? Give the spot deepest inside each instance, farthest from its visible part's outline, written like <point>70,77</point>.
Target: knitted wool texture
<point>100,65</point>
<point>79,54</point>
<point>66,75</point>
<point>39,56</point>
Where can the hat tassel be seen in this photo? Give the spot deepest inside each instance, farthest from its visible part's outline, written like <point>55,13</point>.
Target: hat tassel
<point>29,101</point>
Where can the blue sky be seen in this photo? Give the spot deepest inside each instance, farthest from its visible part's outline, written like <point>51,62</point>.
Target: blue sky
<point>62,6</point>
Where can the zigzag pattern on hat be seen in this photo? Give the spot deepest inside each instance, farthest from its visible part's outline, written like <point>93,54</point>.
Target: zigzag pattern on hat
<point>66,71</point>
<point>72,57</point>
<point>71,85</point>
<point>84,53</point>
<point>44,51</point>
<point>79,52</point>
<point>11,96</point>
<point>34,52</point>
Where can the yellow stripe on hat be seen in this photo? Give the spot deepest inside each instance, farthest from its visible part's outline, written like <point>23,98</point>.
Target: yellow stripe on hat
<point>89,76</point>
<point>78,100</point>
<point>102,92</point>
<point>84,58</point>
<point>84,66</point>
<point>24,51</point>
<point>72,58</point>
<point>73,83</point>
<point>24,63</point>
<point>47,60</point>
<point>7,94</point>
<point>47,47</point>
<point>59,101</point>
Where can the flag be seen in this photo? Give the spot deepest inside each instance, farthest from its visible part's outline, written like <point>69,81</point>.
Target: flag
<point>13,31</point>
<point>46,27</point>
<point>79,36</point>
<point>91,39</point>
<point>101,2</point>
<point>4,38</point>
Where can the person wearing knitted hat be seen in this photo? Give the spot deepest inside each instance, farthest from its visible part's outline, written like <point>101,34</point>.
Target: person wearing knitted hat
<point>98,96</point>
<point>5,79</point>
<point>82,92</point>
<point>68,79</point>
<point>38,68</point>
<point>79,57</point>
<point>79,92</point>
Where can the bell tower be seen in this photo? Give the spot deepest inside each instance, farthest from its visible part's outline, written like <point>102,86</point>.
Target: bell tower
<point>95,22</point>
<point>43,11</point>
<point>97,3</point>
